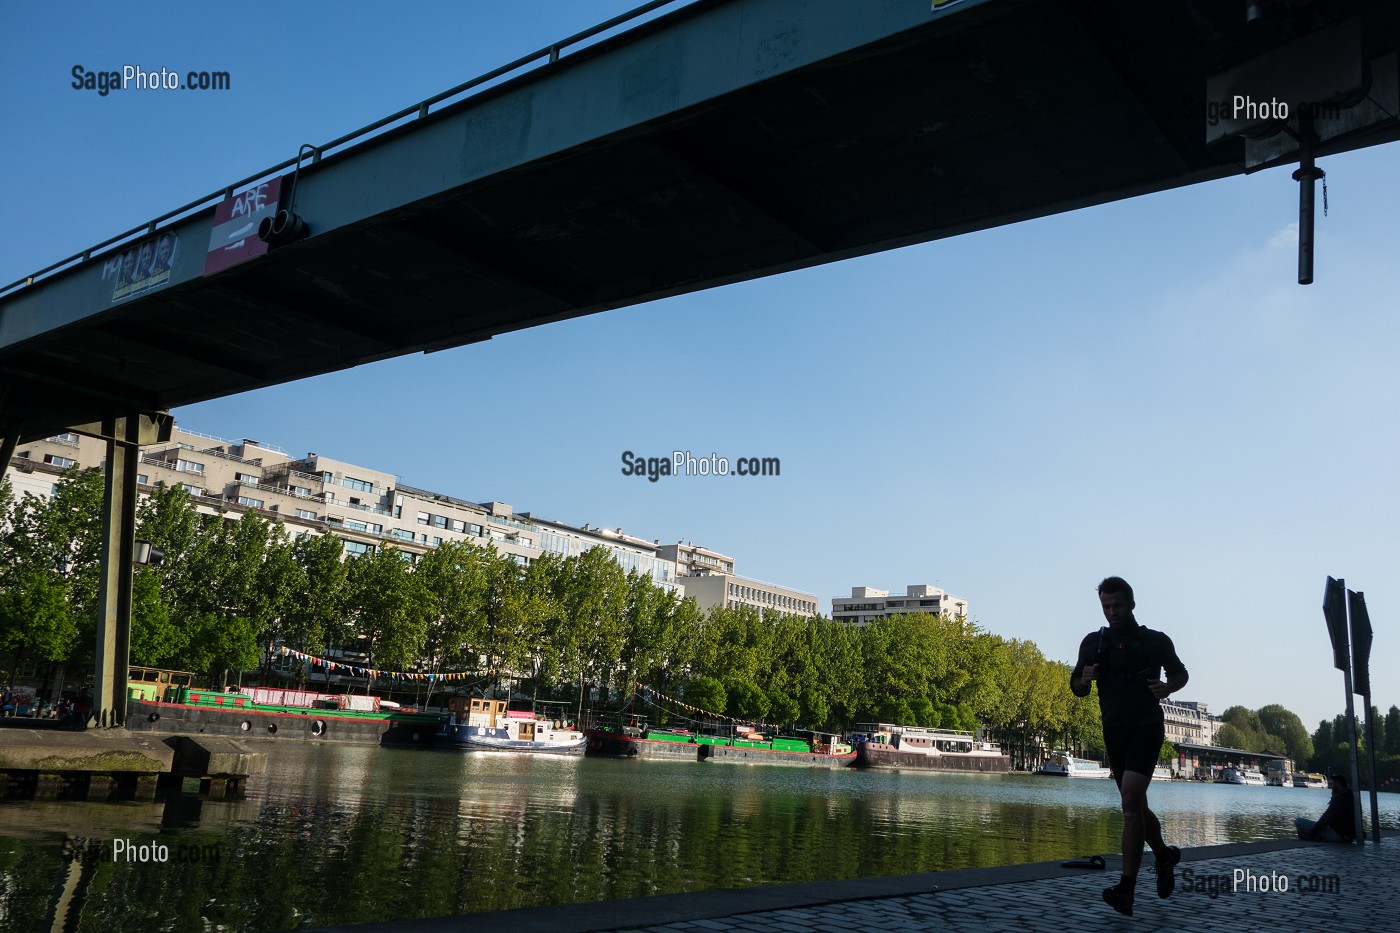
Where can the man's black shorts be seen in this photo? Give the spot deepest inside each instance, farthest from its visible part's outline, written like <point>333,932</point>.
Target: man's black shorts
<point>1133,747</point>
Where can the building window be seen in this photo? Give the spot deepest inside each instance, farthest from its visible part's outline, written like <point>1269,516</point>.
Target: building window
<point>437,542</point>
<point>300,491</point>
<point>356,549</point>
<point>402,533</point>
<point>423,518</point>
<point>305,513</point>
<point>356,526</point>
<point>246,478</point>
<point>58,461</point>
<point>361,485</point>
<point>192,489</point>
<point>474,529</point>
<point>142,479</point>
<point>439,521</point>
<point>254,503</point>
<point>189,466</point>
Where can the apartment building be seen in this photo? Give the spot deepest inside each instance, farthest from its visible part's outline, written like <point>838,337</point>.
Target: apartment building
<point>364,507</point>
<point>866,604</point>
<point>709,577</point>
<point>726,590</point>
<point>1189,722</point>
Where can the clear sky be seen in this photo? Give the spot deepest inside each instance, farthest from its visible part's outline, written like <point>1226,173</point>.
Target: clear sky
<point>1136,389</point>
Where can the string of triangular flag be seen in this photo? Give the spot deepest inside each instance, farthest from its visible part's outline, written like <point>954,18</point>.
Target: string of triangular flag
<point>681,703</point>
<point>359,671</point>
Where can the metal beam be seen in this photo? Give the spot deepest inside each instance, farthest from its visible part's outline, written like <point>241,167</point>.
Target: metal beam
<point>152,427</point>
<point>180,346</point>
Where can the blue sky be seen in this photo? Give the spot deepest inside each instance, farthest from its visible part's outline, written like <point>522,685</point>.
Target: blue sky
<point>1138,388</point>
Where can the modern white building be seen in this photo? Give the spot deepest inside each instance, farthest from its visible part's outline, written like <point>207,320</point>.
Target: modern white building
<point>709,577</point>
<point>726,591</point>
<point>866,604</point>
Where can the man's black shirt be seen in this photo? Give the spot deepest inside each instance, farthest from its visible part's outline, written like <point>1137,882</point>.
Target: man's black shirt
<point>1129,658</point>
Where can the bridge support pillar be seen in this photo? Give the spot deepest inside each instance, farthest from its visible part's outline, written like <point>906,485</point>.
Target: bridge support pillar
<point>118,550</point>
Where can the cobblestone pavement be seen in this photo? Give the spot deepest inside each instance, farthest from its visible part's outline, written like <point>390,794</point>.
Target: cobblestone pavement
<point>1329,887</point>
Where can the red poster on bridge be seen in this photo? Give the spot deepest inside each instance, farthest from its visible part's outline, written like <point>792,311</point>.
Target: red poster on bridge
<point>234,238</point>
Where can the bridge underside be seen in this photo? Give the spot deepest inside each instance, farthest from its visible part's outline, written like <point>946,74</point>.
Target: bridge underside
<point>1006,111</point>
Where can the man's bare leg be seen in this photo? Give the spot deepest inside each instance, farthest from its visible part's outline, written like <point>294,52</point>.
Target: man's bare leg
<point>1133,792</point>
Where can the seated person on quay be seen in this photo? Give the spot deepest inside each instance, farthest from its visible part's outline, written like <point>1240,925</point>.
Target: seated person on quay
<point>1338,821</point>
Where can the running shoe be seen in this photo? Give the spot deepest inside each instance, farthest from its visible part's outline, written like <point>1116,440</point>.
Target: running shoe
<point>1120,897</point>
<point>1166,872</point>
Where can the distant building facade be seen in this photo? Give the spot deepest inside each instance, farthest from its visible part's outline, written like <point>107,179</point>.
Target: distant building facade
<point>709,577</point>
<point>866,604</point>
<point>367,509</point>
<point>1189,722</point>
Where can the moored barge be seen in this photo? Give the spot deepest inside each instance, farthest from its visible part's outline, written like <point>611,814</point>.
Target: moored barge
<point>632,738</point>
<point>917,748</point>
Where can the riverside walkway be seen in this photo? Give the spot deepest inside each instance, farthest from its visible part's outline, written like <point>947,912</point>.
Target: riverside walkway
<point>1329,887</point>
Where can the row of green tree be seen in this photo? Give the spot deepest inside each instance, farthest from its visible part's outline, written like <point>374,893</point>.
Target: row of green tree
<point>1332,744</point>
<point>1325,750</point>
<point>230,590</point>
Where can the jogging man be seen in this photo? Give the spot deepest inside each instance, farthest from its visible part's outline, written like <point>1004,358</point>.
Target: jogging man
<point>1127,660</point>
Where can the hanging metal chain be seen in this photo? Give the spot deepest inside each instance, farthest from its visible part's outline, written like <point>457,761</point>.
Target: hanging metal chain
<point>1324,195</point>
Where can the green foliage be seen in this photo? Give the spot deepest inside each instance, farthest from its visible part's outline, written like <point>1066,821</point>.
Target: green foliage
<point>1254,730</point>
<point>155,640</point>
<point>783,709</point>
<point>1230,736</point>
<point>1277,720</point>
<point>895,711</point>
<point>389,606</point>
<point>35,618</point>
<point>748,701</point>
<point>707,693</point>
<point>220,647</point>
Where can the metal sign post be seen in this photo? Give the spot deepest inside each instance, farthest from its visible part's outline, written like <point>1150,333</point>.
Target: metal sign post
<point>1334,609</point>
<point>1361,683</point>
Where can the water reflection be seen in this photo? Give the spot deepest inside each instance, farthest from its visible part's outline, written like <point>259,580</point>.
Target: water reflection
<point>343,834</point>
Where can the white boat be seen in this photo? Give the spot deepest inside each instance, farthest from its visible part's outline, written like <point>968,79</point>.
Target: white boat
<point>1161,773</point>
<point>1063,764</point>
<point>486,725</point>
<point>1241,776</point>
<point>885,745</point>
<point>1309,780</point>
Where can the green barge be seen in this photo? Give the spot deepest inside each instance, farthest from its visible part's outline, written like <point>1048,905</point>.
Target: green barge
<point>632,738</point>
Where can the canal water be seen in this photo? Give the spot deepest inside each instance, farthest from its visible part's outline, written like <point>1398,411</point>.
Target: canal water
<point>339,835</point>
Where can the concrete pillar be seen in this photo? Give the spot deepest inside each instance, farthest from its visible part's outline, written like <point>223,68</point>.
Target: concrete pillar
<point>146,787</point>
<point>114,592</point>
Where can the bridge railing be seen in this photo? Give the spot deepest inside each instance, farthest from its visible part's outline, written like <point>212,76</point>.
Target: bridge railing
<point>549,55</point>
